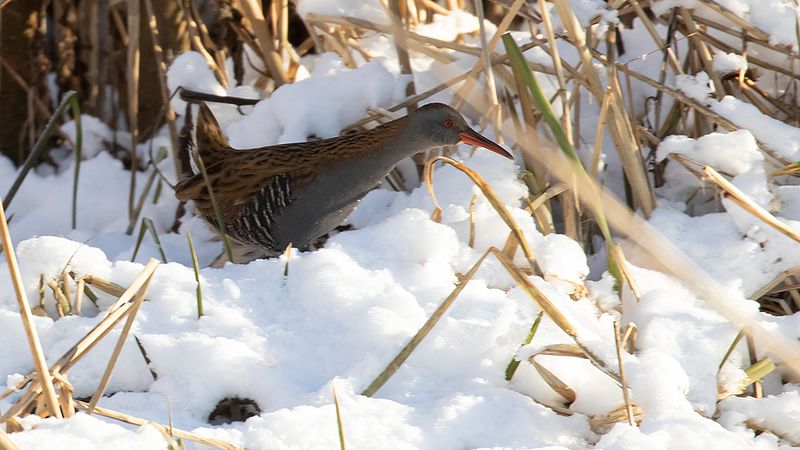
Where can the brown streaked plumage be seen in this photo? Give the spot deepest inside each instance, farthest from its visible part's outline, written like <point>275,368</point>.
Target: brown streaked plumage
<point>295,193</point>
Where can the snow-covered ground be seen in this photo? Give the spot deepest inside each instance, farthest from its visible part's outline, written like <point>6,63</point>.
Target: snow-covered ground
<point>287,332</point>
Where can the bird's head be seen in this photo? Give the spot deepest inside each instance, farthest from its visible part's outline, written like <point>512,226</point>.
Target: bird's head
<point>444,125</point>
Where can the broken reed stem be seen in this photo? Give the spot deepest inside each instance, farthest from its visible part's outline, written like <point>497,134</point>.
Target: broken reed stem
<point>487,191</point>
<point>104,285</point>
<point>133,288</point>
<point>745,202</point>
<point>472,202</point>
<point>339,424</point>
<point>122,417</point>
<point>34,346</point>
<point>76,306</point>
<point>137,302</point>
<point>623,380</point>
<point>82,347</point>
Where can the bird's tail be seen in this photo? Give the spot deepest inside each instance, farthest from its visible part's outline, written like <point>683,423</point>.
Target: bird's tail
<point>201,138</point>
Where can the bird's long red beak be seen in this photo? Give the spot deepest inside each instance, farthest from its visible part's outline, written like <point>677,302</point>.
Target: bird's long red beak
<point>474,138</point>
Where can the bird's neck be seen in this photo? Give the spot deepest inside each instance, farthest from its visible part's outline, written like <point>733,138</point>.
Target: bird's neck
<point>402,142</point>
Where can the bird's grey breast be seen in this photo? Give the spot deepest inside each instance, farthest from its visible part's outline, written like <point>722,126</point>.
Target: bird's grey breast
<point>281,213</point>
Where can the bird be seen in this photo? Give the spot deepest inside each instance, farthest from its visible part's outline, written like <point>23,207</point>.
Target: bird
<point>293,194</point>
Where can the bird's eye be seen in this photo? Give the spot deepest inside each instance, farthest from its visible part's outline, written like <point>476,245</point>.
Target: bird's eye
<point>448,123</point>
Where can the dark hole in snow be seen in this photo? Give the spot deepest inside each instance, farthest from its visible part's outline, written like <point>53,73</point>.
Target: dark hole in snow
<point>233,409</point>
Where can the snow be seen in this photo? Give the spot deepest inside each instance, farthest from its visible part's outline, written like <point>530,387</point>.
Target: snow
<point>285,332</point>
<point>725,63</point>
<point>697,87</point>
<point>780,137</point>
<point>371,10</point>
<point>319,106</point>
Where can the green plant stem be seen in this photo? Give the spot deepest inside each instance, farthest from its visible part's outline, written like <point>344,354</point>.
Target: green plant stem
<point>39,147</point>
<point>76,116</point>
<point>514,363</point>
<point>522,71</point>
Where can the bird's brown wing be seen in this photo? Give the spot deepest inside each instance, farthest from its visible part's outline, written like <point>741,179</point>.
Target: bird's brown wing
<point>244,173</point>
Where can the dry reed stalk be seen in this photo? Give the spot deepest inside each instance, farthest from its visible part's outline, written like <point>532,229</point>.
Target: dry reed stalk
<point>62,302</point>
<point>599,133</point>
<point>487,191</point>
<point>495,113</point>
<point>126,418</point>
<point>622,378</point>
<point>745,202</point>
<point>197,44</point>
<point>480,64</point>
<point>34,346</point>
<point>522,279</point>
<point>751,59</point>
<point>602,424</point>
<point>283,25</point>
<point>138,298</point>
<point>758,389</point>
<point>82,347</point>
<point>134,288</point>
<point>65,395</point>
<point>702,51</point>
<point>741,23</point>
<point>566,121</point>
<point>750,39</point>
<point>472,202</point>
<point>104,285</point>
<point>42,108</point>
<point>162,81</point>
<point>401,47</point>
<point>625,271</point>
<point>272,61</point>
<point>542,215</point>
<point>780,278</point>
<point>620,123</point>
<point>386,29</point>
<point>6,443</point>
<point>76,306</point>
<point>339,424</point>
<point>651,29</point>
<point>555,383</point>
